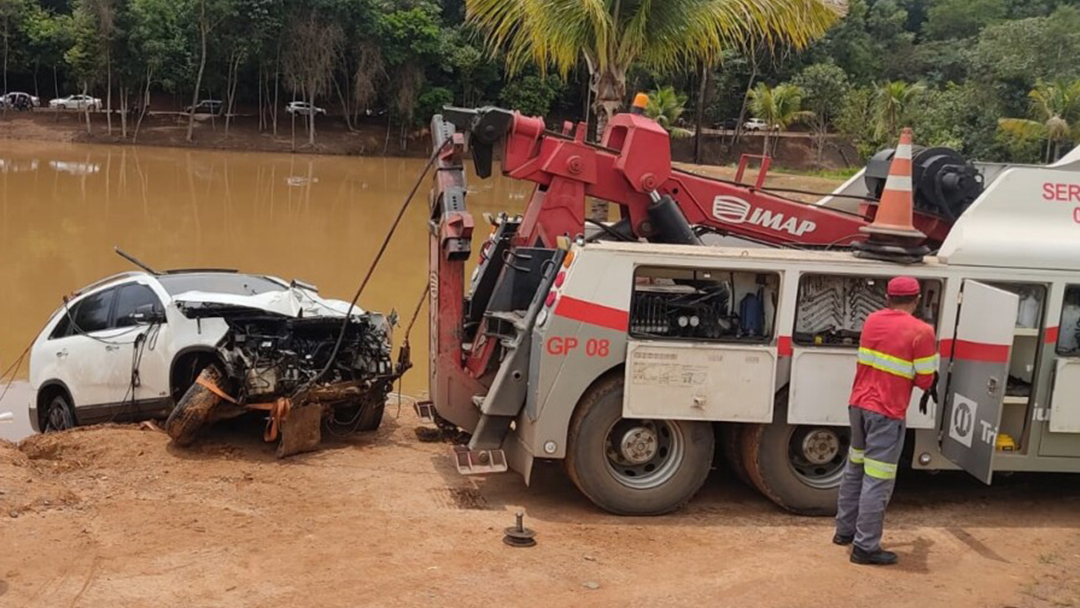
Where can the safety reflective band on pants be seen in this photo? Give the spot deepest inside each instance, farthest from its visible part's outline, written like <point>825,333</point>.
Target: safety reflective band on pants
<point>856,456</point>
<point>878,469</point>
<point>897,366</point>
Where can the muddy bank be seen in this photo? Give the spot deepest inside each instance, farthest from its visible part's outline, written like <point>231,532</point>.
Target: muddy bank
<point>170,129</point>
<point>367,138</point>
<point>114,516</point>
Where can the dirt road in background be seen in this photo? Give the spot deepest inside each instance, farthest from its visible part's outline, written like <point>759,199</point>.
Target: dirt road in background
<point>115,517</point>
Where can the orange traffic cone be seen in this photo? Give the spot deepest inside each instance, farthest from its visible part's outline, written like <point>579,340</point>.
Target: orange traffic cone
<point>894,211</point>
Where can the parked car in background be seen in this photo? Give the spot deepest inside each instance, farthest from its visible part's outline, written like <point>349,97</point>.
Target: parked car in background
<point>76,102</point>
<point>755,124</point>
<point>130,346</point>
<point>303,108</point>
<point>728,124</point>
<point>206,106</point>
<point>19,101</point>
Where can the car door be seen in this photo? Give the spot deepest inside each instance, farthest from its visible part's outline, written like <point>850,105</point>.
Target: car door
<point>139,366</point>
<point>83,351</point>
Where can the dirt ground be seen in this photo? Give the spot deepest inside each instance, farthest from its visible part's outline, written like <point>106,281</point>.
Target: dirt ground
<point>114,516</point>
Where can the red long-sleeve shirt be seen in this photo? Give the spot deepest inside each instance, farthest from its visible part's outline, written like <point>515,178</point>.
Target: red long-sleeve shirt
<point>896,352</point>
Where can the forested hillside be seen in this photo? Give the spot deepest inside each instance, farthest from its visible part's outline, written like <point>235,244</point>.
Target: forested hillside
<point>998,79</point>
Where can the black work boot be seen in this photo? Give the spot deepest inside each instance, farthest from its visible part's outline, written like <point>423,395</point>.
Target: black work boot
<point>872,558</point>
<point>842,539</point>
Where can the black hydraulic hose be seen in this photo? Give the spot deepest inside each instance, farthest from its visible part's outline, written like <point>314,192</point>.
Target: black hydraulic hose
<point>371,269</point>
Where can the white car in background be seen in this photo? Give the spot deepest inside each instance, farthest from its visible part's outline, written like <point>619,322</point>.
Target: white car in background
<point>76,102</point>
<point>303,108</point>
<point>128,347</point>
<point>755,124</point>
<point>19,101</point>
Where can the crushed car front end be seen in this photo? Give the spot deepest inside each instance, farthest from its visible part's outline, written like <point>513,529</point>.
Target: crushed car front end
<point>292,355</point>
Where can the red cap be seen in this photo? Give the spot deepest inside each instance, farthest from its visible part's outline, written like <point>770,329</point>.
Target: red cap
<point>903,286</point>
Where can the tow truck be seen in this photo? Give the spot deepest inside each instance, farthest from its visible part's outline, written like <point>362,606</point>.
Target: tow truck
<point>723,315</point>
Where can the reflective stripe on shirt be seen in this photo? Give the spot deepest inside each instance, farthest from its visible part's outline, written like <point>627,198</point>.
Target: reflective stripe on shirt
<point>927,365</point>
<point>886,363</point>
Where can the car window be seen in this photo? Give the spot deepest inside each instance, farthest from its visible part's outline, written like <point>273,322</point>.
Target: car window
<point>135,298</point>
<point>92,313</point>
<point>63,328</point>
<point>218,282</point>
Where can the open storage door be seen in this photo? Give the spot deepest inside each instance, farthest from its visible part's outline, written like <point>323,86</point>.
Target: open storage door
<point>978,370</point>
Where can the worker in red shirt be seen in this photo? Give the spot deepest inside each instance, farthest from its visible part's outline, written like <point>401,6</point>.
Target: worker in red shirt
<point>896,352</point>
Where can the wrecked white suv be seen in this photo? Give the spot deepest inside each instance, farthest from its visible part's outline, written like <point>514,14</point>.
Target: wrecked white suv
<point>135,345</point>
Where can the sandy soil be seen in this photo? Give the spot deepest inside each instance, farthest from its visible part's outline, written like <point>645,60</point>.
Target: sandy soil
<point>113,516</point>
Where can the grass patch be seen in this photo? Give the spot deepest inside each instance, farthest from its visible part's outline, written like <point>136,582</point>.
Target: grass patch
<point>836,174</point>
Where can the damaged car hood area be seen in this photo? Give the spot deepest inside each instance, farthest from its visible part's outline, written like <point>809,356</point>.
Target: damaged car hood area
<point>292,302</point>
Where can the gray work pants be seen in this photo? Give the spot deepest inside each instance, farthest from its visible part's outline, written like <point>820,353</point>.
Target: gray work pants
<point>867,485</point>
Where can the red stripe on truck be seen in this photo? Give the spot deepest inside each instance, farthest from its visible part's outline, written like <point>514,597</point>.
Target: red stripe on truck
<point>593,314</point>
<point>1052,335</point>
<point>783,346</point>
<point>975,351</point>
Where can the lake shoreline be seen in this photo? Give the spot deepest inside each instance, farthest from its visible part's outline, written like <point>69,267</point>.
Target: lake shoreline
<point>169,129</point>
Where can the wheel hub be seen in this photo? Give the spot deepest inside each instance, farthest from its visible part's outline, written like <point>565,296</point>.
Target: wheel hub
<point>639,445</point>
<point>820,446</point>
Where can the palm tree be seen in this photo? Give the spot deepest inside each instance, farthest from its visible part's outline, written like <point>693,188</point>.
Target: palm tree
<point>1055,108</point>
<point>665,106</point>
<point>892,100</point>
<point>613,35</point>
<point>778,106</point>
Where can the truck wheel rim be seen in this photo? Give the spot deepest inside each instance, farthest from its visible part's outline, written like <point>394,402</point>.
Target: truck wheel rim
<point>817,455</point>
<point>644,454</point>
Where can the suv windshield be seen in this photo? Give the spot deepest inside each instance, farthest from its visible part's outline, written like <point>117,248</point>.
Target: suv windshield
<point>218,282</point>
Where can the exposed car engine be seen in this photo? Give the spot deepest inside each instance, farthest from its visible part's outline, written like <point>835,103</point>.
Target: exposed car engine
<point>289,365</point>
<point>268,357</point>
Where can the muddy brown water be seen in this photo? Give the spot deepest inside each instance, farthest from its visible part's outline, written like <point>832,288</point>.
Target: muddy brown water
<point>321,219</point>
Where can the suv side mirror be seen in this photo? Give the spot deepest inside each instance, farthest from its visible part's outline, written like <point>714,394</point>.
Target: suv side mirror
<point>148,314</point>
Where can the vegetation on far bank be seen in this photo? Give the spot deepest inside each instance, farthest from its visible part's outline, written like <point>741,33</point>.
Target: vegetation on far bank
<point>996,79</point>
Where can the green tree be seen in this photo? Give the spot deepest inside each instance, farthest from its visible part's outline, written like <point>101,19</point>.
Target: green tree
<point>778,106</point>
<point>612,37</point>
<point>10,20</point>
<point>410,39</point>
<point>86,54</point>
<point>1055,111</point>
<point>531,94</point>
<point>824,88</point>
<point>962,18</point>
<point>666,106</point>
<point>48,36</point>
<point>205,16</point>
<point>893,100</point>
<point>157,38</point>
<point>1020,53</point>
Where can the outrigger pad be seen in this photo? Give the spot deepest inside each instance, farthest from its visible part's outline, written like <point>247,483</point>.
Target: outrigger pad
<point>301,430</point>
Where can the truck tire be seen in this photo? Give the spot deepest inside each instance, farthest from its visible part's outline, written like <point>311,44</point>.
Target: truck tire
<point>635,467</point>
<point>798,467</point>
<point>195,409</point>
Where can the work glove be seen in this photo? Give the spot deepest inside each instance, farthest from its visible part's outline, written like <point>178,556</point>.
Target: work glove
<point>931,393</point>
